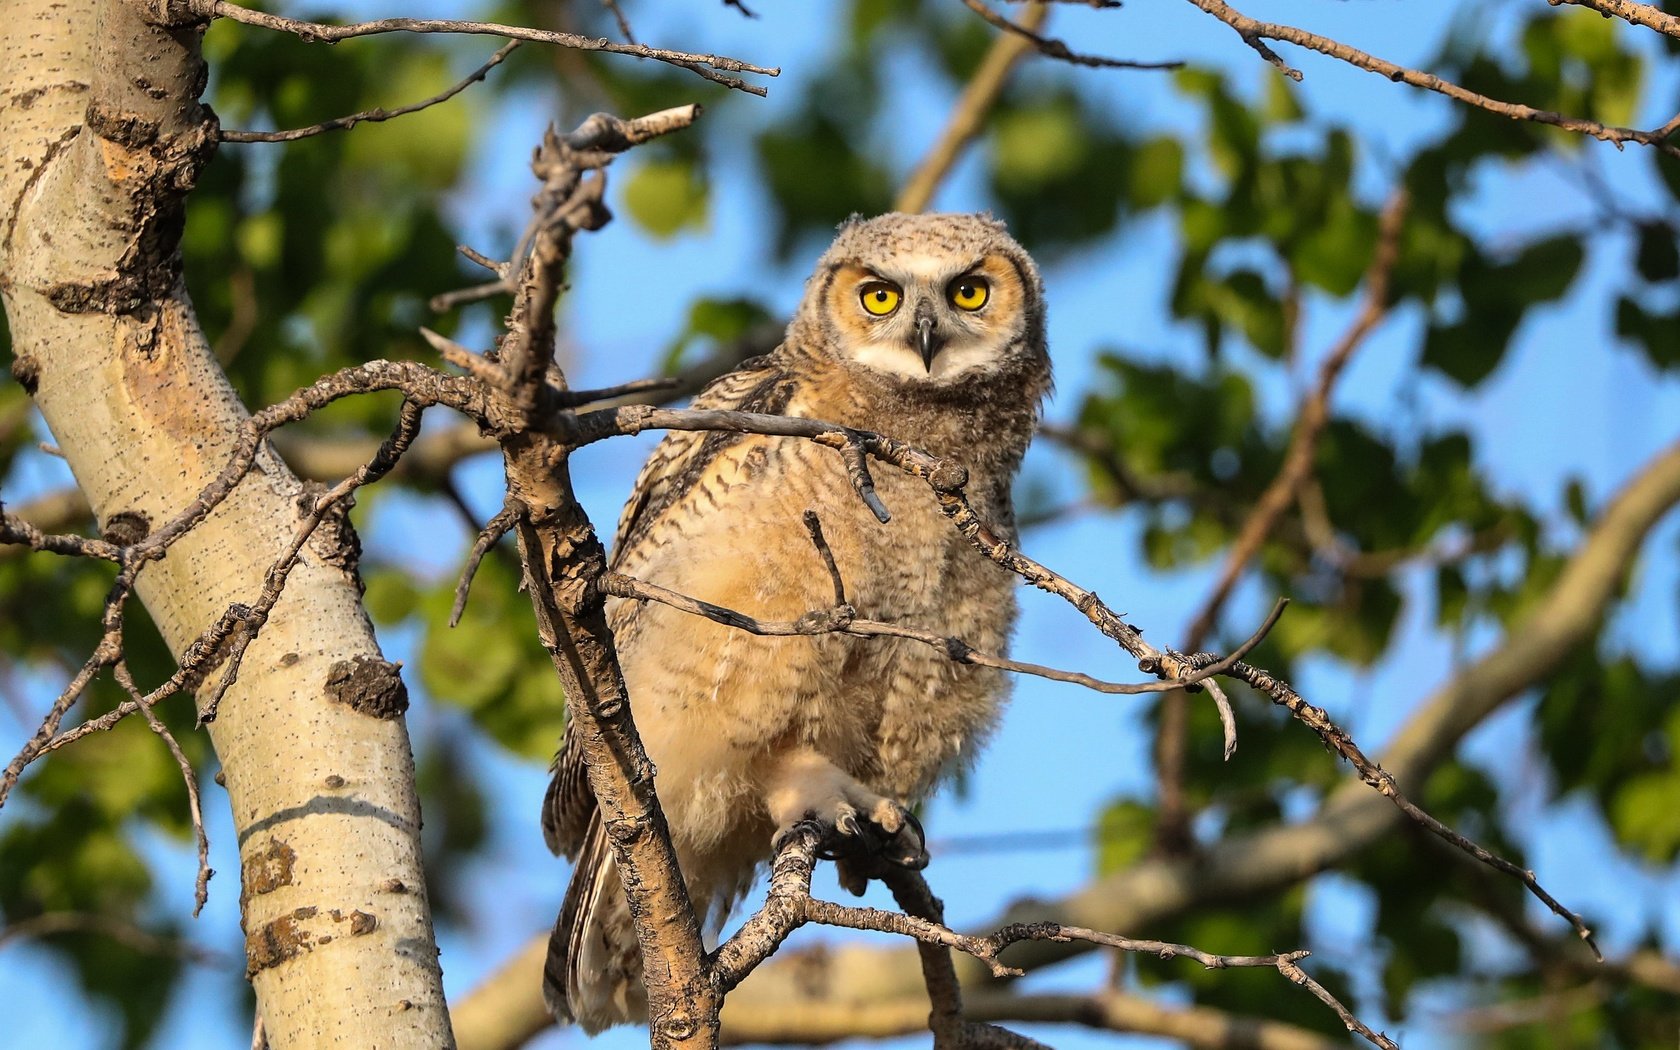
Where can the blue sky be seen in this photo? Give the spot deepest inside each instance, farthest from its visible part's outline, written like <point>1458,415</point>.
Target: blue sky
<point>1566,400</point>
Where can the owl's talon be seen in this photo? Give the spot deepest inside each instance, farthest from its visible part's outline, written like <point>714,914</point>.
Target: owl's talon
<point>912,841</point>
<point>794,830</point>
<point>846,823</point>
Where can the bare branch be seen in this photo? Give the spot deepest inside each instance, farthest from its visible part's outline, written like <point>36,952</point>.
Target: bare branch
<point>813,525</point>
<point>493,531</point>
<point>790,905</point>
<point>1647,15</point>
<point>1053,48</point>
<point>14,530</point>
<point>1255,33</point>
<point>374,116</point>
<point>563,562</point>
<point>224,643</point>
<point>707,66</point>
<point>274,581</point>
<point>106,653</point>
<point>201,886</point>
<point>843,619</point>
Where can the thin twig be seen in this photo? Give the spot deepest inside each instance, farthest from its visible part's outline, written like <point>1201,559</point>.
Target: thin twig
<point>225,642</point>
<point>1255,33</point>
<point>1053,48</point>
<point>1647,15</point>
<point>843,619</point>
<point>107,652</point>
<point>478,257</point>
<point>707,66</point>
<point>813,525</point>
<point>274,581</point>
<point>623,23</point>
<point>790,905</point>
<point>634,389</point>
<point>493,531</point>
<point>951,1029</point>
<point>201,885</point>
<point>14,530</point>
<point>377,114</point>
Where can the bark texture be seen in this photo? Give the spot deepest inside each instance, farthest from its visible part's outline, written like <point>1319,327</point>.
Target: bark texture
<point>101,137</point>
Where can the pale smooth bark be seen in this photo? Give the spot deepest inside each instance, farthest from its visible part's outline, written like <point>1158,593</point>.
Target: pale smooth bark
<point>101,135</point>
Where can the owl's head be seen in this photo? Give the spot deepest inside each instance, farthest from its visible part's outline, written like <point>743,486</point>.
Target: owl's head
<point>939,299</point>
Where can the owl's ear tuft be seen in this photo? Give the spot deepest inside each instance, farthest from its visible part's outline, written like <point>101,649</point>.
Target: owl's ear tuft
<point>854,219</point>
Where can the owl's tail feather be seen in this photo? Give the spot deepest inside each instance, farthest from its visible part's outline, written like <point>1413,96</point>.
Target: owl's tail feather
<point>593,973</point>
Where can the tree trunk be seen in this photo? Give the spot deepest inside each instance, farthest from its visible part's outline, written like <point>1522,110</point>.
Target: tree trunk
<point>101,135</point>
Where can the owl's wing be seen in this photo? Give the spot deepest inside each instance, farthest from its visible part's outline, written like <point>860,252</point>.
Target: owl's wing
<point>759,384</point>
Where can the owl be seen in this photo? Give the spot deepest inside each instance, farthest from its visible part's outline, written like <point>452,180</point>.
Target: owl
<point>926,328</point>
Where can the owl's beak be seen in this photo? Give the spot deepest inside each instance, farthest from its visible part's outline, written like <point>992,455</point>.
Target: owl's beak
<point>927,341</point>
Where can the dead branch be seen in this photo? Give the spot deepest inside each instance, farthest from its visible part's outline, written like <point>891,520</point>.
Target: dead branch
<point>563,560</point>
<point>842,618</point>
<point>488,537</point>
<point>790,905</point>
<point>712,67</point>
<point>15,530</point>
<point>374,116</point>
<point>1053,48</point>
<point>1647,15</point>
<point>107,652</point>
<point>1255,33</point>
<point>201,885</point>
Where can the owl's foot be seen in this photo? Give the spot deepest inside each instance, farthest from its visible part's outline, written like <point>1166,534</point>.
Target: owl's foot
<point>861,828</point>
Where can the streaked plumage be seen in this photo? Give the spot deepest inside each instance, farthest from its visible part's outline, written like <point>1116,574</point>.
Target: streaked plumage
<point>750,734</point>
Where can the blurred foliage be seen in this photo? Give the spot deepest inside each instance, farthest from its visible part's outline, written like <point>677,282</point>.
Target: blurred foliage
<point>322,253</point>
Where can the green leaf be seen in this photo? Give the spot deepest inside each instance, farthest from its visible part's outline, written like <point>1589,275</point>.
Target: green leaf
<point>1657,257</point>
<point>1125,830</point>
<point>715,322</point>
<point>1658,335</point>
<point>666,196</point>
<point>1643,815</point>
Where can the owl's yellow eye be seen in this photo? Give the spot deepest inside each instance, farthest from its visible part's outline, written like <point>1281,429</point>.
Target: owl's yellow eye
<point>970,293</point>
<point>879,298</point>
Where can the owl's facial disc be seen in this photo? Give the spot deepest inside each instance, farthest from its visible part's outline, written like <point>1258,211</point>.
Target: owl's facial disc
<point>931,320</point>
